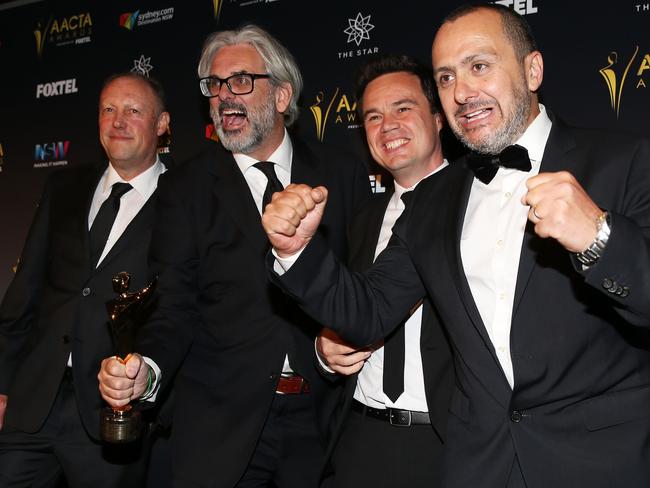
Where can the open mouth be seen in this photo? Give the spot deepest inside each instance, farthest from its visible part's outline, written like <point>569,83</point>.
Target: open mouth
<point>232,118</point>
<point>395,144</point>
<point>473,117</point>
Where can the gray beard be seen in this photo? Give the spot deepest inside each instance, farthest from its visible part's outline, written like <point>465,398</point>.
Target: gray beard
<point>261,122</point>
<point>513,127</point>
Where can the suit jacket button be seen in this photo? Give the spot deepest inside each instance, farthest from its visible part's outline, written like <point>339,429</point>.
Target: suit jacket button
<point>66,339</point>
<point>85,292</point>
<point>625,292</point>
<point>607,283</point>
<point>516,416</point>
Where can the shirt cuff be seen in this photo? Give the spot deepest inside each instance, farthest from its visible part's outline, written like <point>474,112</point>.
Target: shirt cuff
<point>322,364</point>
<point>153,393</point>
<point>282,265</point>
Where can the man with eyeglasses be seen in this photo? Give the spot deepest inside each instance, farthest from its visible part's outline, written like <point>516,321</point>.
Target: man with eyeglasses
<point>251,409</point>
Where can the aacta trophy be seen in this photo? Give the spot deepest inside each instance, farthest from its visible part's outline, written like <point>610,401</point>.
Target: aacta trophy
<point>124,424</point>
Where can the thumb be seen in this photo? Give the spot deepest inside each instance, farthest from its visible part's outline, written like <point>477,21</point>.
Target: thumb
<point>133,365</point>
<point>319,194</point>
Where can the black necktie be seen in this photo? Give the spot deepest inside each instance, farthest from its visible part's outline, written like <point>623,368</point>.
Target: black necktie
<point>272,185</point>
<point>104,219</point>
<point>394,358</point>
<point>485,166</point>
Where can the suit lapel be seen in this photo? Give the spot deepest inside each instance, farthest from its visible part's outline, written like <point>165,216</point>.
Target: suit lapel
<point>496,383</point>
<point>231,189</point>
<point>558,144</point>
<point>363,242</point>
<point>89,186</point>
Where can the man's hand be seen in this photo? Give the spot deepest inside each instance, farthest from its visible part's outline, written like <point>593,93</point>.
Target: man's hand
<point>292,217</point>
<point>3,409</point>
<point>122,381</point>
<point>560,208</point>
<point>338,355</point>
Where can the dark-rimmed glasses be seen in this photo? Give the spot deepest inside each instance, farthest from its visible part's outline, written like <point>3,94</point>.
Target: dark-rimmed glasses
<point>239,84</point>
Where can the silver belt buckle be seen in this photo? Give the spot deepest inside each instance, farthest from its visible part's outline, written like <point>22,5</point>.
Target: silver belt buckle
<point>399,420</point>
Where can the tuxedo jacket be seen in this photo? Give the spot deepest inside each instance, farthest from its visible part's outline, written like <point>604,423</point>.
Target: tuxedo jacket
<point>219,315</point>
<point>434,346</point>
<point>56,303</point>
<point>579,413</point>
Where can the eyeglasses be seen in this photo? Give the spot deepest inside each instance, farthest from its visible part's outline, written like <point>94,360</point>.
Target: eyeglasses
<point>239,84</point>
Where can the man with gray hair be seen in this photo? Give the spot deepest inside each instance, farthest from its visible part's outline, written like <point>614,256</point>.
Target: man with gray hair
<point>251,409</point>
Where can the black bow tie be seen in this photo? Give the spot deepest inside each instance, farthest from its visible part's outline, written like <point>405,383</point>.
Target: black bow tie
<point>485,166</point>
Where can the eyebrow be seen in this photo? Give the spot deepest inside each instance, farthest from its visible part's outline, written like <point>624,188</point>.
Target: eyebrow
<point>465,61</point>
<point>396,103</point>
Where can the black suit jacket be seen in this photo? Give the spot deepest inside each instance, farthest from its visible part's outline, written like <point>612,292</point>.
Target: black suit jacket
<point>56,303</point>
<point>218,314</point>
<point>579,414</point>
<point>434,346</point>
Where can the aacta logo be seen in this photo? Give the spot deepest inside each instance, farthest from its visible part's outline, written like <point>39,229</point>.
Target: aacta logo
<point>615,74</point>
<point>128,20</point>
<point>344,112</point>
<point>56,88</point>
<point>51,154</point>
<point>75,29</point>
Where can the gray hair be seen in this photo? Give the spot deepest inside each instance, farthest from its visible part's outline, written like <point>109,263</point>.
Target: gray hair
<point>279,62</point>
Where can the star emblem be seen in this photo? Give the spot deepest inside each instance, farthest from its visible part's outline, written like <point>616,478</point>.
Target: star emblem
<point>359,28</point>
<point>142,65</point>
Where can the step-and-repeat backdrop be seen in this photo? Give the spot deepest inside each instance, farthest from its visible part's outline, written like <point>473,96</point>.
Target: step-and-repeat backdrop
<point>54,55</point>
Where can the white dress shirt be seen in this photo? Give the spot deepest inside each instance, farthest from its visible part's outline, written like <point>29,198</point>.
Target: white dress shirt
<point>492,237</point>
<point>369,389</point>
<point>257,181</point>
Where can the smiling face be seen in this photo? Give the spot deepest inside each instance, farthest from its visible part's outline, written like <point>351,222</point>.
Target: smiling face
<point>251,124</point>
<point>402,133</point>
<point>486,92</point>
<point>130,122</point>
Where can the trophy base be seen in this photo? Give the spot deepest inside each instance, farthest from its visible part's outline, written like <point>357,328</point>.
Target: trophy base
<point>120,426</point>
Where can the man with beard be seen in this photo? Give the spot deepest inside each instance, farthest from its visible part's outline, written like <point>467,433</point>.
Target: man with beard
<point>250,406</point>
<point>537,258</point>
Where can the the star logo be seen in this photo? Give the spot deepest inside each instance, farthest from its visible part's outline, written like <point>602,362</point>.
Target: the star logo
<point>359,28</point>
<point>142,65</point>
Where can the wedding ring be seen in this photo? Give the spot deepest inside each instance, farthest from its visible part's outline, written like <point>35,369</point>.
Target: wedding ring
<point>536,214</point>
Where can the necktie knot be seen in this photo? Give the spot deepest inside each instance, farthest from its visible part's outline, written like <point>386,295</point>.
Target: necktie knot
<point>273,183</point>
<point>119,189</point>
<point>485,166</point>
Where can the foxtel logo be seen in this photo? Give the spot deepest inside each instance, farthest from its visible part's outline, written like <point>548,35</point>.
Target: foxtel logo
<point>56,88</point>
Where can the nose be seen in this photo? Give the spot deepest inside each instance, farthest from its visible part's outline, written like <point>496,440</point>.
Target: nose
<point>389,122</point>
<point>464,91</point>
<point>225,93</point>
<point>118,121</point>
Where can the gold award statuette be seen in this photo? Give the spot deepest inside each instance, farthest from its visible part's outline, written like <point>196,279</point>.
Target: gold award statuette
<point>124,424</point>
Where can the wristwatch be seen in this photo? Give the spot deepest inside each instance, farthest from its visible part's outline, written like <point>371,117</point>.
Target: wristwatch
<point>589,256</point>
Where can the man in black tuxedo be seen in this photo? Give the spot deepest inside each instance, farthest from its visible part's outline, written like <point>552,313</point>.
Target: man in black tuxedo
<point>539,268</point>
<point>394,406</point>
<point>53,320</point>
<point>250,406</point>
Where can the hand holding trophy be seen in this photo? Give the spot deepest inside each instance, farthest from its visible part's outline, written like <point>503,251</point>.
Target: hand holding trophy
<point>124,424</point>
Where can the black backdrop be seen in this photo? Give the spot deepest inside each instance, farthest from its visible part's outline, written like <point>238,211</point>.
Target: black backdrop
<point>54,55</point>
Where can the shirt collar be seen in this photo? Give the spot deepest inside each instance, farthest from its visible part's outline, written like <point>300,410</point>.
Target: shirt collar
<point>535,137</point>
<point>282,156</point>
<point>145,183</point>
<point>400,190</point>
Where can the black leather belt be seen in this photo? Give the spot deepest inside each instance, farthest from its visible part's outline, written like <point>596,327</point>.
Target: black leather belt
<point>394,416</point>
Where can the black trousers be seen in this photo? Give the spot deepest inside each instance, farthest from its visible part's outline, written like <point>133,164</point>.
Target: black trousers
<point>289,453</point>
<point>373,453</point>
<point>63,449</point>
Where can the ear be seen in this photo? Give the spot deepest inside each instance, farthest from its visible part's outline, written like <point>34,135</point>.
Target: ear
<point>162,124</point>
<point>283,97</point>
<point>534,70</point>
<point>439,121</point>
